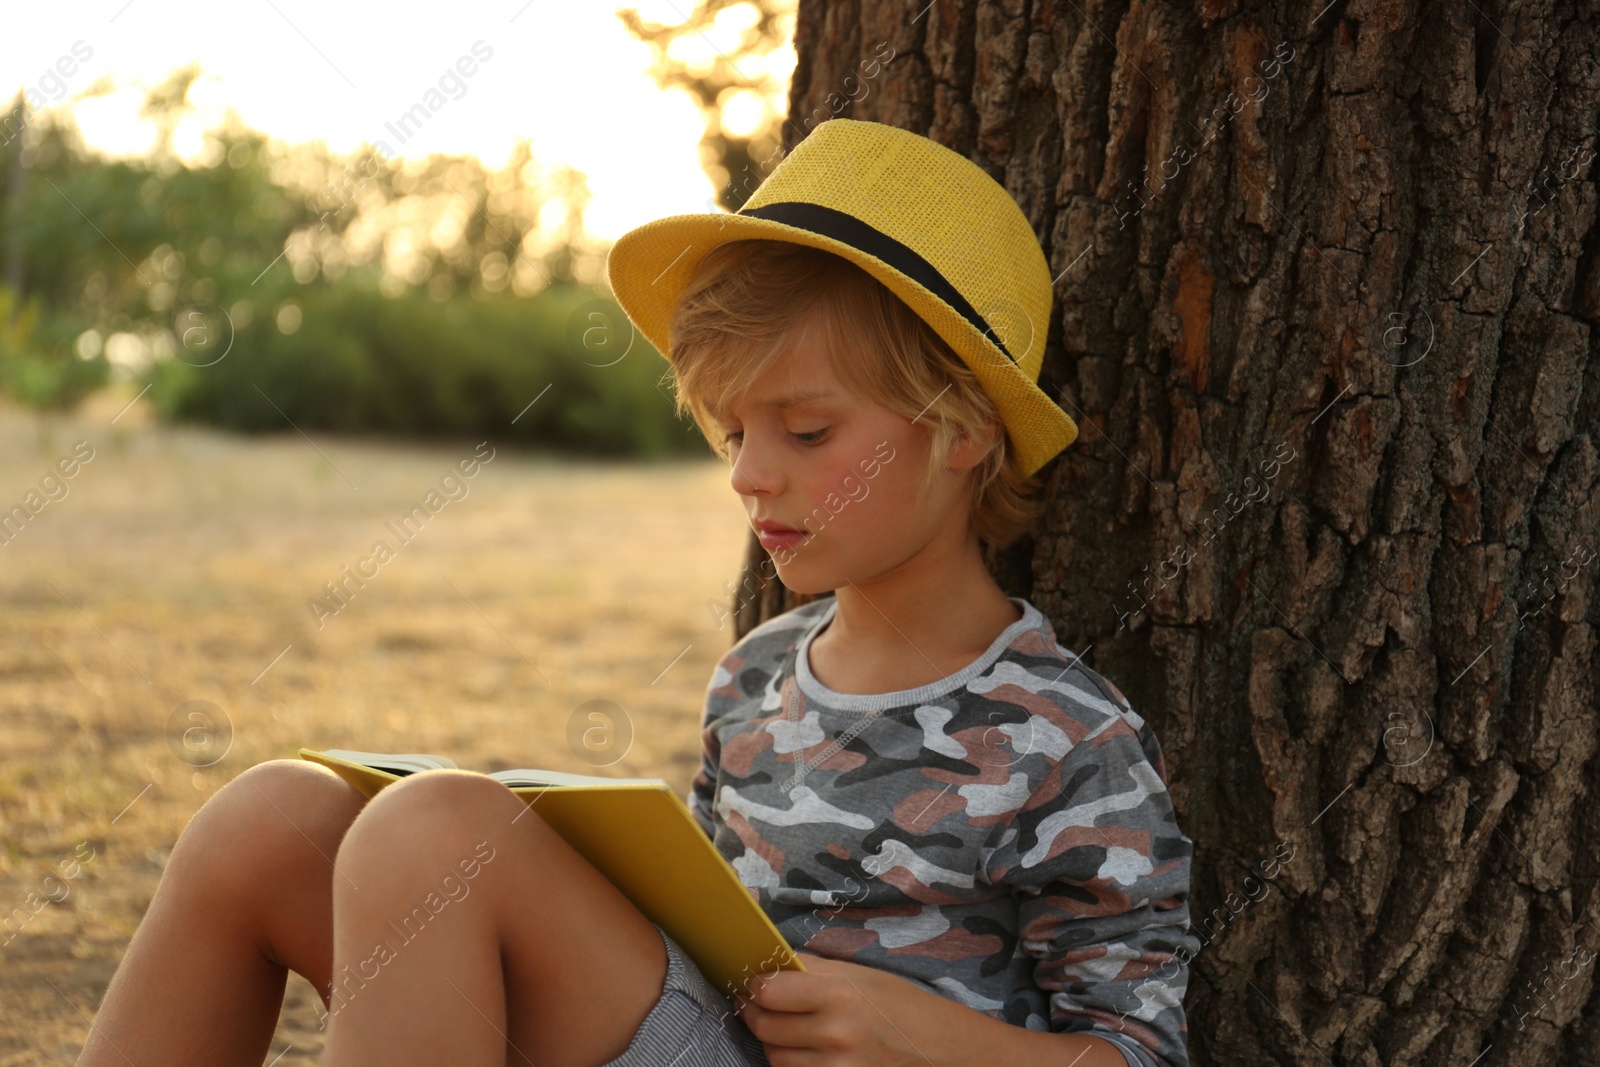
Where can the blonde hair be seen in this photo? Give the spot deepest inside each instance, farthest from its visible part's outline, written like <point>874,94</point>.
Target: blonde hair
<point>749,298</point>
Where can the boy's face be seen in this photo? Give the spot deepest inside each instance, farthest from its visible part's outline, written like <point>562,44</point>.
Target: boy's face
<point>840,469</point>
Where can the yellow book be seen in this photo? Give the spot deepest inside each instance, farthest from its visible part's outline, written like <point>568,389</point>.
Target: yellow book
<point>642,837</point>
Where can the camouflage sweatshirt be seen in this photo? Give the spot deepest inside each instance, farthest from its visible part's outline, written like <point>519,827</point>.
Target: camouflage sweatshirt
<point>1002,837</point>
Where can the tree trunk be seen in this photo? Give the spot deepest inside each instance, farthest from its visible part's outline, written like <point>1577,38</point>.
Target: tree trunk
<point>1326,282</point>
<point>13,127</point>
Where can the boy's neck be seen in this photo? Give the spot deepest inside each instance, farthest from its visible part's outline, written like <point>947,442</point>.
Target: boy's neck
<point>893,635</point>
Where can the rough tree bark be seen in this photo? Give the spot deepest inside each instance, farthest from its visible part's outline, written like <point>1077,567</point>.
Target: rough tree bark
<point>1327,282</point>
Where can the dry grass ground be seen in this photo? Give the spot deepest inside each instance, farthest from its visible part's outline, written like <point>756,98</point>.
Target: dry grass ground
<point>178,567</point>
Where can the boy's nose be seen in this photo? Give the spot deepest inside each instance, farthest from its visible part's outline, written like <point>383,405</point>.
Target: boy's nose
<point>753,473</point>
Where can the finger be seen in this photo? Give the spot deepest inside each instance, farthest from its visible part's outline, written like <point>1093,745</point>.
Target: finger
<point>791,991</point>
<point>779,1056</point>
<point>782,1029</point>
<point>823,965</point>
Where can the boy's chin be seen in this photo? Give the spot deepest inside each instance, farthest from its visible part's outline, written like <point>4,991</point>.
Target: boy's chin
<point>797,578</point>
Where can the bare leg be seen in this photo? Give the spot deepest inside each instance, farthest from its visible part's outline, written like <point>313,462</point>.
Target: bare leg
<point>469,932</point>
<point>247,893</point>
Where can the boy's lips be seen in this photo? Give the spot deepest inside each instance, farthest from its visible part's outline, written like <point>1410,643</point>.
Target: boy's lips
<point>776,535</point>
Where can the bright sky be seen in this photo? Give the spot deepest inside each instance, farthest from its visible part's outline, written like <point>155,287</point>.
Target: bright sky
<point>564,74</point>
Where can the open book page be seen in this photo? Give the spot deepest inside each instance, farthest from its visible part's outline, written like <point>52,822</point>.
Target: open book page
<point>404,763</point>
<point>528,776</point>
<point>401,763</point>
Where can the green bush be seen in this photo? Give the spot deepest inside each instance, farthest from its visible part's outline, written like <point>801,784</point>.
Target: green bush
<point>37,363</point>
<point>361,362</point>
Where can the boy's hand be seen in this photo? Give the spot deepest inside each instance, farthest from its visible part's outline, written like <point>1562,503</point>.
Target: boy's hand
<point>840,1014</point>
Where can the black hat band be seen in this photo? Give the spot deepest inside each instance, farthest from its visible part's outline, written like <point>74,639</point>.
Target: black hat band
<point>847,229</point>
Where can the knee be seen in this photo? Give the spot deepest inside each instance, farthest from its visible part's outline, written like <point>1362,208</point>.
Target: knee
<point>272,822</point>
<point>429,817</point>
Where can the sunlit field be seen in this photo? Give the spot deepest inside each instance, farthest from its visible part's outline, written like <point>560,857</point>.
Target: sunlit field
<point>179,565</point>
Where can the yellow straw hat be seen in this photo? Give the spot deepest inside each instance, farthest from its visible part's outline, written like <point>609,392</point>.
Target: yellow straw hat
<point>925,221</point>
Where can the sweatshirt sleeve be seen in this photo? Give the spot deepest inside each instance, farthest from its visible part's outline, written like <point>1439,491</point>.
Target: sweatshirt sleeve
<point>720,692</point>
<point>1100,871</point>
<point>703,785</point>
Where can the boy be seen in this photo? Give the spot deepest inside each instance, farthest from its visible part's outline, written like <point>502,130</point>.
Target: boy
<point>911,775</point>
<point>964,830</point>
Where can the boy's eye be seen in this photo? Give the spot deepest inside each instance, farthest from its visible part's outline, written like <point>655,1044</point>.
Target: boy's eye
<point>811,437</point>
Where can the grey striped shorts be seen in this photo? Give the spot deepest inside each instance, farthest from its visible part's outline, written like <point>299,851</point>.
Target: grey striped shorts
<point>692,1025</point>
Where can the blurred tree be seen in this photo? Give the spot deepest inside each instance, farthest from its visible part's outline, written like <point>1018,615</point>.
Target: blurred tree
<point>15,179</point>
<point>686,59</point>
<point>1326,303</point>
<point>261,264</point>
<point>166,104</point>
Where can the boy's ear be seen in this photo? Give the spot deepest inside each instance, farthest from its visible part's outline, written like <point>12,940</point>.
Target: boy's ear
<point>969,448</point>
